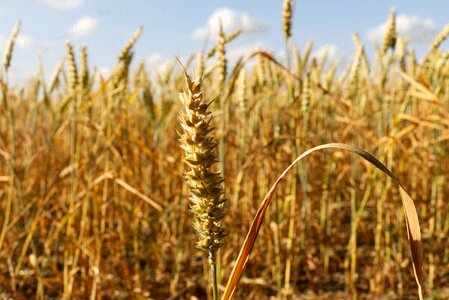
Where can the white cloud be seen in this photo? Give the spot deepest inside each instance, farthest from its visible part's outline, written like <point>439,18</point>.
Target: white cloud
<point>235,53</point>
<point>63,4</point>
<point>84,26</point>
<point>231,20</point>
<point>417,30</point>
<point>104,71</point>
<point>330,51</point>
<point>155,59</point>
<point>27,42</point>
<point>158,63</point>
<point>2,43</point>
<point>19,73</point>
<point>45,46</point>
<point>281,56</point>
<point>24,41</point>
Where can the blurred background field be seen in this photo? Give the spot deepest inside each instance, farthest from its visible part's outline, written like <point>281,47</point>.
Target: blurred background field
<point>93,201</point>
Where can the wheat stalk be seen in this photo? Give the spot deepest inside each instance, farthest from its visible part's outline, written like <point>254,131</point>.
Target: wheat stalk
<point>205,183</point>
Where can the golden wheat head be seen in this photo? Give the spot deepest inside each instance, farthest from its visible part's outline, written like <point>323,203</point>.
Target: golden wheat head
<point>205,183</point>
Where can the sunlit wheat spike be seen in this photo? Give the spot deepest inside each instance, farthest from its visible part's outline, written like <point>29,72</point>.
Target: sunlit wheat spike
<point>355,71</point>
<point>205,182</point>
<point>357,40</point>
<point>126,51</point>
<point>54,81</point>
<point>355,68</point>
<point>401,52</point>
<point>390,35</point>
<point>297,60</point>
<point>141,72</point>
<point>140,76</point>
<point>306,94</point>
<point>241,91</point>
<point>441,37</point>
<point>358,45</point>
<point>411,61</point>
<point>200,64</point>
<point>400,48</point>
<point>363,57</point>
<point>121,70</point>
<point>259,69</point>
<point>233,35</point>
<point>445,55</point>
<point>306,55</point>
<point>330,75</point>
<point>73,70</point>
<point>287,16</point>
<point>84,71</point>
<point>10,46</point>
<point>221,56</point>
<point>229,38</point>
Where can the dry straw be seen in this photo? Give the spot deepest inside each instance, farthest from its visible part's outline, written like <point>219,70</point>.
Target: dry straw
<point>97,198</point>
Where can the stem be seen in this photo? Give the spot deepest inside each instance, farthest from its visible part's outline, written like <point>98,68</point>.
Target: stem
<point>213,273</point>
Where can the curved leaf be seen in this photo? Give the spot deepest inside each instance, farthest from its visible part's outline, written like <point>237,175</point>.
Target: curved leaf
<point>411,219</point>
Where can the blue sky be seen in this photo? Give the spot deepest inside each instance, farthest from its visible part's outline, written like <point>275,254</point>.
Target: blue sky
<point>181,27</point>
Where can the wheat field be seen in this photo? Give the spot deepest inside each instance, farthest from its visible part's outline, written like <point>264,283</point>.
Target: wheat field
<point>94,196</point>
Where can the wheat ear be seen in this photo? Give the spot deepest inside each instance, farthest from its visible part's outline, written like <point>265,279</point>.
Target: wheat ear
<point>287,16</point>
<point>205,182</point>
<point>390,35</point>
<point>10,47</point>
